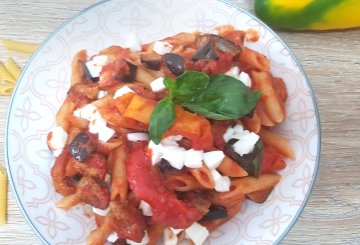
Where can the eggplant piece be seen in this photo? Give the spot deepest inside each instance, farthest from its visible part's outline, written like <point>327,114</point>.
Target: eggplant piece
<point>216,212</point>
<point>87,73</point>
<point>250,162</point>
<point>226,45</point>
<point>151,61</point>
<point>175,63</point>
<point>82,147</point>
<point>129,77</point>
<point>214,42</point>
<point>205,52</point>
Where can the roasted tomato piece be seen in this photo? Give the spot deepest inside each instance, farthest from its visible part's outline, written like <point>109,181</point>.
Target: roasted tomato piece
<point>150,187</point>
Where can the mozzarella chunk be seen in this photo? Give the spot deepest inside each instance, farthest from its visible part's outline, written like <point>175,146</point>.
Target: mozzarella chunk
<point>137,137</point>
<point>158,85</point>
<point>246,139</point>
<point>133,43</point>
<point>222,183</point>
<point>213,159</point>
<point>105,133</point>
<point>144,241</point>
<point>122,91</point>
<point>193,158</point>
<point>57,140</point>
<point>145,208</point>
<point>246,145</point>
<point>101,94</point>
<point>86,112</point>
<point>174,155</point>
<point>161,47</point>
<point>170,238</point>
<point>197,233</point>
<point>156,152</point>
<point>245,78</point>
<point>240,75</point>
<point>96,64</point>
<point>233,72</point>
<point>97,123</point>
<point>171,140</point>
<point>113,237</point>
<point>101,212</point>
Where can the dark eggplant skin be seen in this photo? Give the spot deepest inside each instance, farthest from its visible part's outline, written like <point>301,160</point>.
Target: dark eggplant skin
<point>216,212</point>
<point>129,77</point>
<point>205,52</point>
<point>175,63</point>
<point>87,72</point>
<point>82,146</point>
<point>213,43</point>
<point>151,61</point>
<point>250,162</point>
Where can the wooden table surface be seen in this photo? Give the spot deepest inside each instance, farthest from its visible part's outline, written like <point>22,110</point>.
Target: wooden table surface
<point>332,62</point>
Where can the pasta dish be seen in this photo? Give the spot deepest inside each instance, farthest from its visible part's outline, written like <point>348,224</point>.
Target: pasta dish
<point>166,140</point>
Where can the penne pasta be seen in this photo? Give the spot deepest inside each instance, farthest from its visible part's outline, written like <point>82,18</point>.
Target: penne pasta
<point>5,74</point>
<point>3,196</point>
<point>13,68</point>
<point>278,142</point>
<point>230,168</point>
<point>19,46</point>
<point>77,67</point>
<point>263,82</point>
<point>203,176</point>
<point>119,184</point>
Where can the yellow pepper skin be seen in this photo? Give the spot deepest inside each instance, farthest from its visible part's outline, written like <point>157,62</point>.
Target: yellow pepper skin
<point>309,14</point>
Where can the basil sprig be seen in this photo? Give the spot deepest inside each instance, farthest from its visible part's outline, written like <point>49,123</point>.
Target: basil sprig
<point>218,97</point>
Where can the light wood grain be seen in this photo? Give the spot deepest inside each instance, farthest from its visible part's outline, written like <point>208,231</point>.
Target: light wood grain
<point>332,62</point>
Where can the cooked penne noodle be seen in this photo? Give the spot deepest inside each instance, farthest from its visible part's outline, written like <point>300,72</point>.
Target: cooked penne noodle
<point>19,46</point>
<point>230,168</point>
<point>119,184</point>
<point>63,114</point>
<point>155,232</point>
<point>77,67</point>
<point>69,201</point>
<point>242,186</point>
<point>184,181</point>
<point>263,81</point>
<point>203,176</point>
<point>252,123</point>
<point>254,60</point>
<point>277,141</point>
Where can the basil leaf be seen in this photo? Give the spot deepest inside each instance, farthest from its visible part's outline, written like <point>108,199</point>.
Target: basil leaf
<point>250,162</point>
<point>190,84</point>
<point>161,119</point>
<point>224,98</point>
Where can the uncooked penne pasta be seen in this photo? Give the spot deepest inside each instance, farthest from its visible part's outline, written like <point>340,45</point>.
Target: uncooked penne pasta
<point>19,46</point>
<point>13,68</point>
<point>5,74</point>
<point>3,196</point>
